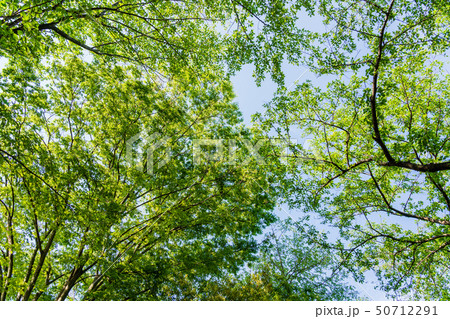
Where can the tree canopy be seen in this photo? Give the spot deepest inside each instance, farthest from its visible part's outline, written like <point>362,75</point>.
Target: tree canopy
<point>295,263</point>
<point>78,215</point>
<point>378,154</point>
<point>126,172</point>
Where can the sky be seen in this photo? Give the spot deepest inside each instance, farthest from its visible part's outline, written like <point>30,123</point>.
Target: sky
<point>251,98</point>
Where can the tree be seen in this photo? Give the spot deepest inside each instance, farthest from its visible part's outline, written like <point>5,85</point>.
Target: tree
<point>298,262</point>
<point>378,157</point>
<point>83,80</point>
<point>77,218</point>
<point>295,262</point>
<point>164,36</point>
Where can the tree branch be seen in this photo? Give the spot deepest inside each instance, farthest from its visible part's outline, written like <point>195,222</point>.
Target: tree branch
<point>373,97</point>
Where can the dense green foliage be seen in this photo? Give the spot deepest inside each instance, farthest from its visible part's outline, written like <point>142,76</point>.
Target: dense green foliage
<point>292,264</point>
<point>73,207</point>
<point>102,104</point>
<point>79,218</point>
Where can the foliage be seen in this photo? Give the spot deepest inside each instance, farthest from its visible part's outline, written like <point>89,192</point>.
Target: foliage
<point>295,262</point>
<point>165,36</point>
<point>84,82</point>
<point>378,154</point>
<point>78,218</point>
<point>84,78</point>
<point>301,265</point>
